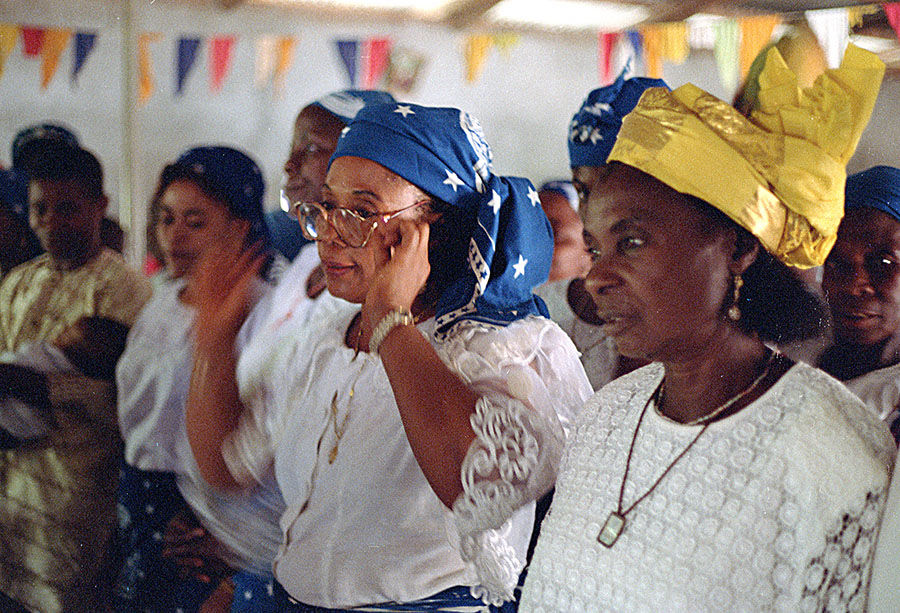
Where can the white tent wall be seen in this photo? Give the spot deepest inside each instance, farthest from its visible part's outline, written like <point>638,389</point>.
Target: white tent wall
<point>524,99</point>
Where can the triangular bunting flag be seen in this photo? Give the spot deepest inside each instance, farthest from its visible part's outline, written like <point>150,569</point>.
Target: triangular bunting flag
<point>505,42</point>
<point>606,43</point>
<point>284,58</point>
<point>376,56</point>
<point>477,48</point>
<point>675,42</point>
<point>187,55</point>
<point>637,43</point>
<point>725,50</point>
<point>892,10</point>
<point>832,28</point>
<point>84,44</point>
<point>403,70</point>
<point>220,53</point>
<point>653,50</point>
<point>348,50</point>
<point>146,82</point>
<point>32,40</point>
<point>55,42</point>
<point>264,64</point>
<point>755,34</point>
<point>9,34</point>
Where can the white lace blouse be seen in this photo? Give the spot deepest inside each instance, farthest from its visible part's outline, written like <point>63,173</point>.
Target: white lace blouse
<point>363,525</point>
<point>775,508</point>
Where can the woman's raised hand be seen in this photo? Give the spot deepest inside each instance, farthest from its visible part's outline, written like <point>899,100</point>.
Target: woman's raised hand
<point>221,290</point>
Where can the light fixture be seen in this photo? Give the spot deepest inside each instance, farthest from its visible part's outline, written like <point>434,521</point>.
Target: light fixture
<point>567,14</point>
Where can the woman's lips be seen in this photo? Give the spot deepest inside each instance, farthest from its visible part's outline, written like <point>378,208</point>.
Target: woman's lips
<point>337,269</point>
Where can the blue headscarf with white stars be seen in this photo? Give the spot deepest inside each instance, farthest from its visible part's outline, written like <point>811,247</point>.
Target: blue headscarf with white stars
<point>443,152</point>
<point>594,127</point>
<point>877,187</point>
<point>233,176</point>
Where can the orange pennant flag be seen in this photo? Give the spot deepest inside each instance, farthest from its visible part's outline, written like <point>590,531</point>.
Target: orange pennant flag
<point>146,82</point>
<point>284,58</point>
<point>477,48</point>
<point>756,32</point>
<point>55,42</point>
<point>9,36</point>
<point>675,42</point>
<point>653,50</point>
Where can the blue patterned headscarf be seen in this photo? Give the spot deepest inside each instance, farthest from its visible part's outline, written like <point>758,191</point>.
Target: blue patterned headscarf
<point>31,138</point>
<point>232,176</point>
<point>345,104</point>
<point>443,152</point>
<point>594,127</point>
<point>877,187</point>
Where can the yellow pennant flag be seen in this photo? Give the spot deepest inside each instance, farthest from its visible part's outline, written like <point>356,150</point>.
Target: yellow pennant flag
<point>476,52</point>
<point>284,58</point>
<point>755,34</point>
<point>505,42</point>
<point>856,14</point>
<point>55,42</point>
<point>675,42</point>
<point>9,34</point>
<point>146,82</point>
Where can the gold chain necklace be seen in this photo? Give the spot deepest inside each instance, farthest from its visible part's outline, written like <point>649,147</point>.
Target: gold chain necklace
<point>615,523</point>
<point>339,430</point>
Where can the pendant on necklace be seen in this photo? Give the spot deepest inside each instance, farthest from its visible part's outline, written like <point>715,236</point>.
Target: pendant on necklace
<point>611,530</point>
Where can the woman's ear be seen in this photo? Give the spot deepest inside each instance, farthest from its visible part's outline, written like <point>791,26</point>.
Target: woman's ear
<point>746,248</point>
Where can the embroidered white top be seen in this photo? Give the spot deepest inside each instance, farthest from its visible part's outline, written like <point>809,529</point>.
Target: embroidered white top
<point>367,528</point>
<point>152,377</point>
<point>775,508</point>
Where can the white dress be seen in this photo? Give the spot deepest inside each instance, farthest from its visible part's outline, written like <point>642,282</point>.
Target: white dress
<point>362,524</point>
<point>775,508</point>
<point>152,377</point>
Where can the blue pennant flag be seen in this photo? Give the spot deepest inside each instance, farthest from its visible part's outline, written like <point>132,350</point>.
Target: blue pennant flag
<point>187,55</point>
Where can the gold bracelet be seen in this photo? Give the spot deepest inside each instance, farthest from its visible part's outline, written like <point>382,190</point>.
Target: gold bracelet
<point>397,317</point>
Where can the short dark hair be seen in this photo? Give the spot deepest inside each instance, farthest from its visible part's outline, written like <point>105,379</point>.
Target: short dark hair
<point>60,161</point>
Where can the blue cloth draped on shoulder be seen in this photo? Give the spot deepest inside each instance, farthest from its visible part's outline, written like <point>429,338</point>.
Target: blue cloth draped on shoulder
<point>443,152</point>
<point>877,187</point>
<point>345,104</point>
<point>594,127</point>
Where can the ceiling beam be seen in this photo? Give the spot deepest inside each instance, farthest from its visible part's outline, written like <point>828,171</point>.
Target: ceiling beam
<point>464,13</point>
<point>230,4</point>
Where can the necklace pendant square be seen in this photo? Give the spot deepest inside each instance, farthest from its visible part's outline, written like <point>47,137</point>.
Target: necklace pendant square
<point>611,530</point>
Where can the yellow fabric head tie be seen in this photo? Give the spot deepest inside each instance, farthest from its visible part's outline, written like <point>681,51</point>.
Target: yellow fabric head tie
<point>780,174</point>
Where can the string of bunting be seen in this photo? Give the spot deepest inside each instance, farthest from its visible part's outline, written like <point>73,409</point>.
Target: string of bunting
<point>735,42</point>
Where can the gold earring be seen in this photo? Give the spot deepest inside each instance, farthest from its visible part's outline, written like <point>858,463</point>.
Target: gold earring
<point>734,311</point>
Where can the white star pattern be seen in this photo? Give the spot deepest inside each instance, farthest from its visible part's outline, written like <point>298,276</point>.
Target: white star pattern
<point>453,180</point>
<point>519,267</point>
<point>495,202</point>
<point>595,136</point>
<point>533,196</point>
<point>404,110</point>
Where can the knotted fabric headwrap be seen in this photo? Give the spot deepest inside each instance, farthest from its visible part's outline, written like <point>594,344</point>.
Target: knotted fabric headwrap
<point>877,188</point>
<point>230,174</point>
<point>28,140</point>
<point>444,153</point>
<point>593,129</point>
<point>779,174</point>
<point>345,104</point>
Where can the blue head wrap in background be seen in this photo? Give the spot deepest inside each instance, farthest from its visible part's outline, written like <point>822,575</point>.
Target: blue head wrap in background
<point>443,152</point>
<point>29,139</point>
<point>563,187</point>
<point>230,174</point>
<point>594,127</point>
<point>877,187</point>
<point>345,104</point>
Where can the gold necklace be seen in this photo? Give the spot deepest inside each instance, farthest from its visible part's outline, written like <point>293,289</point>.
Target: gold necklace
<point>339,430</point>
<point>615,523</point>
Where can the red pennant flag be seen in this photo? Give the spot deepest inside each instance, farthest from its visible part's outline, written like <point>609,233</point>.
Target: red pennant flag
<point>220,54</point>
<point>607,41</point>
<point>33,40</point>
<point>892,10</point>
<point>376,57</point>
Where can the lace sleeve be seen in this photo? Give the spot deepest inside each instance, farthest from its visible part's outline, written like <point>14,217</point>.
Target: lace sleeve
<point>530,385</point>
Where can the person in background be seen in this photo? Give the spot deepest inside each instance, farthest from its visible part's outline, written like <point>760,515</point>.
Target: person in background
<point>723,476</point>
<point>570,257</point>
<point>215,548</point>
<point>433,395</point>
<point>57,495</point>
<point>592,134</point>
<point>861,282</point>
<point>18,243</point>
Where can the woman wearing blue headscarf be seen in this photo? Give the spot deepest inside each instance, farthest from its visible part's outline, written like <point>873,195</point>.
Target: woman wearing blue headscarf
<point>409,423</point>
<point>179,540</point>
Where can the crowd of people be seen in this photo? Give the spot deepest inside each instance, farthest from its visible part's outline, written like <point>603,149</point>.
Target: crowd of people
<point>438,388</point>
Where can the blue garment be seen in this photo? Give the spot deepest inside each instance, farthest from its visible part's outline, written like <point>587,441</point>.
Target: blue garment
<point>284,233</point>
<point>345,104</point>
<point>458,599</point>
<point>443,151</point>
<point>878,188</point>
<point>254,594</point>
<point>594,127</point>
<point>28,138</point>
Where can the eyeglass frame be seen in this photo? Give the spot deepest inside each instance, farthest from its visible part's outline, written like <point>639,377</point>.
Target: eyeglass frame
<point>376,218</point>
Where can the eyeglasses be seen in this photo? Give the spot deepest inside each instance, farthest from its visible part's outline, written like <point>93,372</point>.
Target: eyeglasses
<point>354,228</point>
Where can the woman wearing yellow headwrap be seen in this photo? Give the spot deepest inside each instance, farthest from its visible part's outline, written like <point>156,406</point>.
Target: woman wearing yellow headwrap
<point>723,476</point>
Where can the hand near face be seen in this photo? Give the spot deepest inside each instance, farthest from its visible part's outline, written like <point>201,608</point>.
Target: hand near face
<point>402,269</point>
